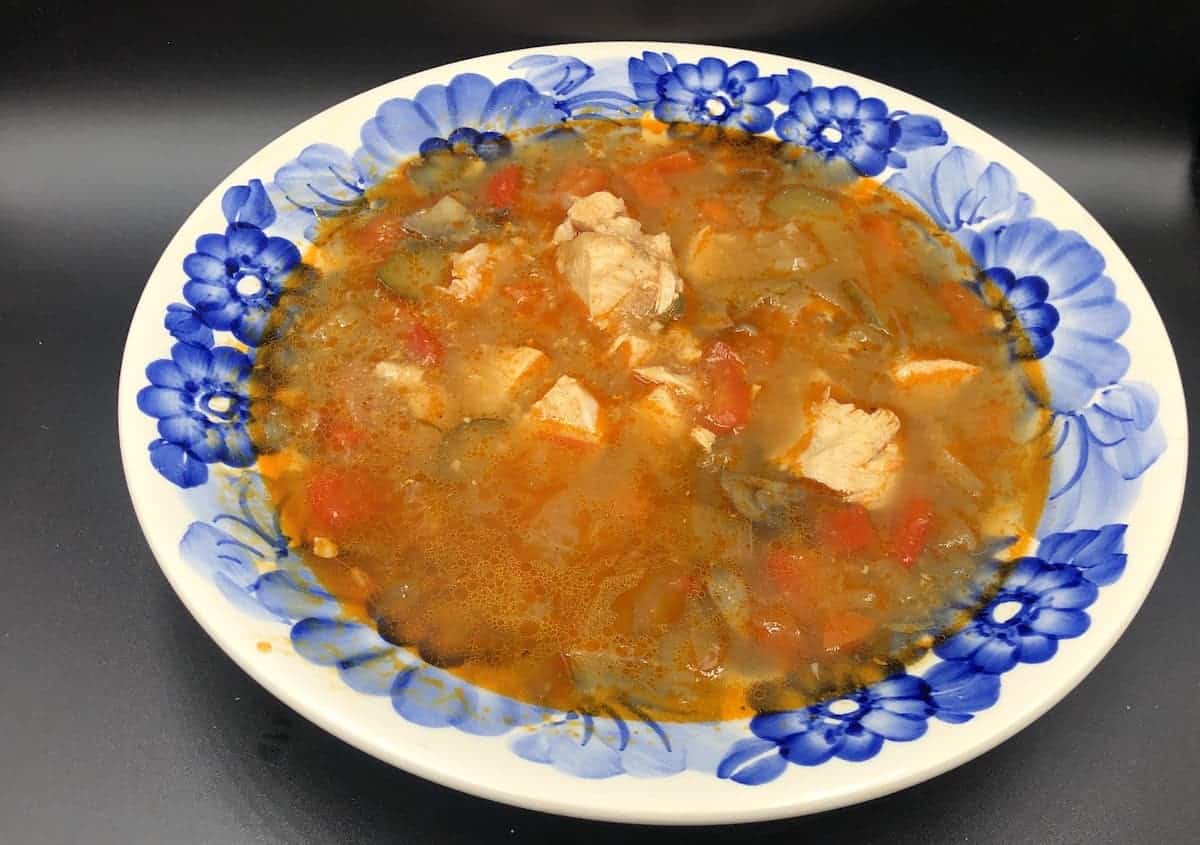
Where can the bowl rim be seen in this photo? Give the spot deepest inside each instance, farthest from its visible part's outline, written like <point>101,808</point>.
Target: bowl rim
<point>603,803</point>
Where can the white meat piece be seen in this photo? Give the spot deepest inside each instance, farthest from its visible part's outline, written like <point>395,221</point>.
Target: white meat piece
<point>496,375</point>
<point>605,257</point>
<point>704,438</point>
<point>679,343</point>
<point>639,349</point>
<point>661,412</point>
<point>467,272</point>
<point>849,450</point>
<point>683,384</point>
<point>940,370</point>
<point>568,409</point>
<point>426,401</point>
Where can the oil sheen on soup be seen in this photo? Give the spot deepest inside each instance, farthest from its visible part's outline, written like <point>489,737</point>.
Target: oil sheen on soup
<point>625,415</point>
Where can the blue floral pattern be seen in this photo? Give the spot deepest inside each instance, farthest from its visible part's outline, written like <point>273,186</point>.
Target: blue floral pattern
<point>838,123</point>
<point>435,117</point>
<point>1048,282</point>
<point>200,400</point>
<point>709,91</point>
<point>1042,600</point>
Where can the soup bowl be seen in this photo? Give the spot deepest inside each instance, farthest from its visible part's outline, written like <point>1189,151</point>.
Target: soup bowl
<point>1117,476</point>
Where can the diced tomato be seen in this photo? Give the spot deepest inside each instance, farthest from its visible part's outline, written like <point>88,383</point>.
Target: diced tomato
<point>847,530</point>
<point>650,187</point>
<point>502,189</point>
<point>964,307</point>
<point>718,212</point>
<point>655,601</point>
<point>649,179</point>
<point>581,181</point>
<point>792,575</point>
<point>845,628</point>
<point>341,499</point>
<point>911,530</point>
<point>423,346</point>
<point>378,235</point>
<point>344,435</point>
<point>678,162</point>
<point>728,407</point>
<point>775,629</point>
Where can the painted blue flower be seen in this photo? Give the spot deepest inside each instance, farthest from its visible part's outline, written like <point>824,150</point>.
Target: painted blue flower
<point>439,115</point>
<point>958,187</point>
<point>1098,554</point>
<point>1039,604</point>
<point>1099,452</point>
<point>1029,318</point>
<point>1055,273</point>
<point>855,726</point>
<point>708,92</point>
<point>838,123</point>
<point>235,279</point>
<point>200,400</point>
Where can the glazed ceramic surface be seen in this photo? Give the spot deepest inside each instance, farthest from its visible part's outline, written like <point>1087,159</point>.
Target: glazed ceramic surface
<point>1115,493</point>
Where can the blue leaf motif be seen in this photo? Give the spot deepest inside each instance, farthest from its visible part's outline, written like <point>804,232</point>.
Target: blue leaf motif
<point>248,204</point>
<point>752,762</point>
<point>329,642</point>
<point>958,187</point>
<point>557,75</point>
<point>1099,454</point>
<point>322,180</point>
<point>290,597</point>
<point>644,74</point>
<point>184,324</point>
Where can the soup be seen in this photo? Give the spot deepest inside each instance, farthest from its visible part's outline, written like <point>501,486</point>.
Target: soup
<point>702,426</point>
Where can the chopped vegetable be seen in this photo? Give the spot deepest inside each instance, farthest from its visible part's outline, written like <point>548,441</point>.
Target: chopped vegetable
<point>504,187</point>
<point>581,181</point>
<point>912,529</point>
<point>728,407</point>
<point>798,200</point>
<point>341,499</point>
<point>864,305</point>
<point>415,267</point>
<point>423,345</point>
<point>845,629</point>
<point>847,530</point>
<point>764,500</point>
<point>466,450</point>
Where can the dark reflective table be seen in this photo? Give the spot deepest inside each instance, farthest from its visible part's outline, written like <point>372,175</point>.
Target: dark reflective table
<point>120,722</point>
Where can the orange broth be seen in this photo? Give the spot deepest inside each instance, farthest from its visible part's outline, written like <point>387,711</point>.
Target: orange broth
<point>669,557</point>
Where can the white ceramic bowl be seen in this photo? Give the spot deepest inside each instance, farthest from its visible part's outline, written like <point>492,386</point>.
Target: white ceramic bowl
<point>1116,491</point>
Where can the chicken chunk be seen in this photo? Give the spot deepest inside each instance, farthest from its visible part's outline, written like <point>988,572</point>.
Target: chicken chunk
<point>945,371</point>
<point>849,450</point>
<point>682,384</point>
<point>426,401</point>
<point>662,414</point>
<point>497,375</point>
<point>570,411</point>
<point>467,273</point>
<point>609,262</point>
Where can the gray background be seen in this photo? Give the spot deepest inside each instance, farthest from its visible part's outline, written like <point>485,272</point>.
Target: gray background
<point>120,722</point>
